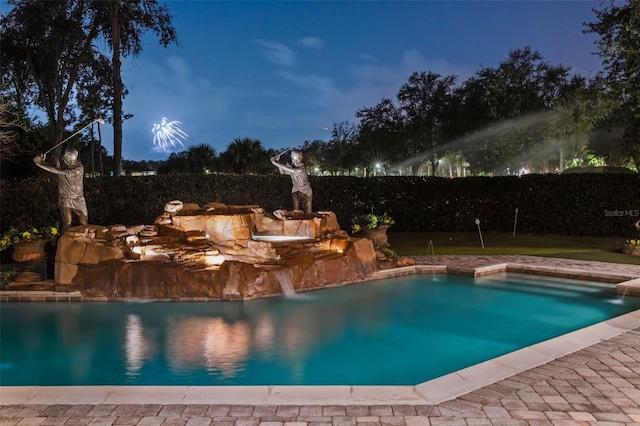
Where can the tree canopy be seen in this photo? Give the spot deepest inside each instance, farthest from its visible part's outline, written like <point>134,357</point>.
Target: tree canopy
<point>50,58</point>
<point>618,25</point>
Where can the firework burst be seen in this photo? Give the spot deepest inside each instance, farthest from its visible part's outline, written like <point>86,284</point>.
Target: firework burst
<point>168,133</point>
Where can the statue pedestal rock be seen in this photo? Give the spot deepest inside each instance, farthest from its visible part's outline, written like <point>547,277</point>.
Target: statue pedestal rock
<point>217,252</point>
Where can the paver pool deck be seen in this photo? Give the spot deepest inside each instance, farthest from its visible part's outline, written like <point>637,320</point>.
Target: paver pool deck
<point>588,377</point>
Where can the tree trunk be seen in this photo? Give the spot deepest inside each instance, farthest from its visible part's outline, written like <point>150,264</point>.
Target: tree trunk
<point>57,134</point>
<point>100,165</point>
<point>92,154</point>
<point>434,165</point>
<point>117,88</point>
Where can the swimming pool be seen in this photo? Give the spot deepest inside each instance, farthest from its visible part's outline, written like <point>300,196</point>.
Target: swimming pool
<point>400,331</point>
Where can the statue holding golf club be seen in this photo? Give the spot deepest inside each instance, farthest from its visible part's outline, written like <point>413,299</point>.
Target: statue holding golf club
<point>301,193</point>
<point>70,182</point>
<point>70,187</point>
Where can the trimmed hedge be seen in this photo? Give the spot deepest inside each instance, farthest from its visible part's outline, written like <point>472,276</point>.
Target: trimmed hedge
<point>603,205</point>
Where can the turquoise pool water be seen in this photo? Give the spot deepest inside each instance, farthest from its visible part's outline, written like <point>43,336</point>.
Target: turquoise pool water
<point>400,331</point>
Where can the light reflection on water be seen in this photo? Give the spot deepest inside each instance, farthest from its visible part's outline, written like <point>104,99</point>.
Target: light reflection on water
<point>137,348</point>
<point>221,345</point>
<point>207,342</point>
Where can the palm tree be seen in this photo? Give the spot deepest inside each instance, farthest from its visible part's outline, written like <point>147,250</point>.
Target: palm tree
<point>201,158</point>
<point>244,155</point>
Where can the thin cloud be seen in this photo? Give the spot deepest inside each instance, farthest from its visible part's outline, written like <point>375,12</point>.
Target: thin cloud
<point>367,58</point>
<point>312,42</point>
<point>324,85</point>
<point>277,53</point>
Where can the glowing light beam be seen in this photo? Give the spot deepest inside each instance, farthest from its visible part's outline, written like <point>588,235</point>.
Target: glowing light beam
<point>168,133</point>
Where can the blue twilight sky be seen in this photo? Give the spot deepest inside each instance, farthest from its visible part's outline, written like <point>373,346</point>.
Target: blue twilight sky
<point>277,71</point>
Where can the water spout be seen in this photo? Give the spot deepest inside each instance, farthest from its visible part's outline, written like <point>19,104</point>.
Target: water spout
<point>625,292</point>
<point>284,277</point>
<point>620,301</point>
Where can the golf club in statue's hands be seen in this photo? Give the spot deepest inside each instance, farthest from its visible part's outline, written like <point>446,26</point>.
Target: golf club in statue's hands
<point>300,141</point>
<point>98,120</point>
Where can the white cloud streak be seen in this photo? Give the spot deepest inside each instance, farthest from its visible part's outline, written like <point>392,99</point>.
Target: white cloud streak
<point>277,53</point>
<point>312,42</point>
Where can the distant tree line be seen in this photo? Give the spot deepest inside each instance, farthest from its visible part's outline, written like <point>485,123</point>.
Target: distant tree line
<point>523,116</point>
<point>242,156</point>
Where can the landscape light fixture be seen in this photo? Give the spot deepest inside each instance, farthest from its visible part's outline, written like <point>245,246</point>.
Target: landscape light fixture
<point>479,232</point>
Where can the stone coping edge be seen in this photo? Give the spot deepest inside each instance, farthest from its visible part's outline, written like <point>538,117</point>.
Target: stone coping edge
<point>622,283</point>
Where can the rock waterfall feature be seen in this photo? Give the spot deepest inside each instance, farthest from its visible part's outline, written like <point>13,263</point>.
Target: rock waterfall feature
<point>213,252</point>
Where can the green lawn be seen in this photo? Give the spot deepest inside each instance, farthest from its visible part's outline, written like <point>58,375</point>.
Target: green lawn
<point>585,248</point>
